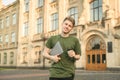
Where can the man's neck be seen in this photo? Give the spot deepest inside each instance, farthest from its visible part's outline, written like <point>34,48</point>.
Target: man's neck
<point>64,35</point>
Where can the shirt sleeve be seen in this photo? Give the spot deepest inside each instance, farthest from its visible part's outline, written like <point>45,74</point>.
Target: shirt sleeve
<point>49,43</point>
<point>77,47</point>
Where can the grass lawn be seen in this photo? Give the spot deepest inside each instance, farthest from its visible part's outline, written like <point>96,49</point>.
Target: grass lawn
<point>2,68</point>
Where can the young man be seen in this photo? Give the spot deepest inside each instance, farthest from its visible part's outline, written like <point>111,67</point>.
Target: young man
<point>63,66</point>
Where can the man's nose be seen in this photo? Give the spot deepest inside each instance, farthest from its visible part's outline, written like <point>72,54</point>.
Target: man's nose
<point>67,26</point>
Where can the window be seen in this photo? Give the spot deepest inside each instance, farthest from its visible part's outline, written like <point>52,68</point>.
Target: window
<point>98,58</point>
<point>93,59</point>
<point>25,58</point>
<point>96,43</point>
<point>74,13</point>
<point>103,58</point>
<point>5,58</point>
<point>24,55</point>
<point>37,57</point>
<point>11,58</point>
<point>13,37</point>
<point>53,0</point>
<point>0,58</point>
<point>88,59</point>
<point>40,3</point>
<point>54,21</point>
<point>6,39</point>
<point>25,29</point>
<point>1,39</point>
<point>14,19</point>
<point>109,44</point>
<point>1,24</point>
<point>96,10</point>
<point>26,5</point>
<point>7,21</point>
<point>39,25</point>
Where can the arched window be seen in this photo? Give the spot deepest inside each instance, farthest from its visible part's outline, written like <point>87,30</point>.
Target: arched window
<point>74,13</point>
<point>96,10</point>
<point>5,58</point>
<point>0,58</point>
<point>11,58</point>
<point>37,59</point>
<point>95,43</point>
<point>24,55</point>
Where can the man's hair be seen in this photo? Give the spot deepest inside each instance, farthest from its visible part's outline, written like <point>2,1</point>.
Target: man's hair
<point>71,19</point>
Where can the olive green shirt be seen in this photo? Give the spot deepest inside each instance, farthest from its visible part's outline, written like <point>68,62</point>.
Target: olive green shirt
<point>66,66</point>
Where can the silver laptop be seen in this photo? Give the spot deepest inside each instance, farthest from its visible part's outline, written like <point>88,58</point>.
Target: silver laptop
<point>57,49</point>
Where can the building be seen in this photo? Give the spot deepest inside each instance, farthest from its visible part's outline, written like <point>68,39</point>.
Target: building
<point>97,28</point>
<point>39,20</point>
<point>9,16</point>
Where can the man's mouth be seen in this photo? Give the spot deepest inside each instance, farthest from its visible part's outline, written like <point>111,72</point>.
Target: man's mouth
<point>65,29</point>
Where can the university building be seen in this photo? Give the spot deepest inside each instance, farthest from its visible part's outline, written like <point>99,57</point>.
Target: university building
<point>9,17</point>
<point>97,28</point>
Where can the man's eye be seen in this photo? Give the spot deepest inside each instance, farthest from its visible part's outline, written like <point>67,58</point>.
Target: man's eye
<point>65,23</point>
<point>70,26</point>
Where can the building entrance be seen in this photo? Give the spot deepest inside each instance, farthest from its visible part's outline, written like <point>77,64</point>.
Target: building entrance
<point>96,54</point>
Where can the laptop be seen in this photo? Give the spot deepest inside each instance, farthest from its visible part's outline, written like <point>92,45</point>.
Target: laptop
<point>57,49</point>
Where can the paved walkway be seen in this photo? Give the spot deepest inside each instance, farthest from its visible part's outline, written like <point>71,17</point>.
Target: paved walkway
<point>24,74</point>
<point>36,74</point>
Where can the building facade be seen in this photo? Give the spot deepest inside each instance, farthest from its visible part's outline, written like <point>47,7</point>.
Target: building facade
<point>9,16</point>
<point>97,28</point>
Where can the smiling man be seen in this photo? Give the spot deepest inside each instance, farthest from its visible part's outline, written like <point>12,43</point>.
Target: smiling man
<point>63,66</point>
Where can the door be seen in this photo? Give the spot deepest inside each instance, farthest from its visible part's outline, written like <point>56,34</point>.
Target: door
<point>96,54</point>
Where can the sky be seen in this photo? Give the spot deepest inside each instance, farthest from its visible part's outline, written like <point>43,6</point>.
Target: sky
<point>6,2</point>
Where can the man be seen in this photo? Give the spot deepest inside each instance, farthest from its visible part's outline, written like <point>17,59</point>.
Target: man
<point>63,66</point>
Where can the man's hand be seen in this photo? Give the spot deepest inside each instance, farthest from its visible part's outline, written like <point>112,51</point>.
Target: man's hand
<point>46,54</point>
<point>71,53</point>
<point>55,58</point>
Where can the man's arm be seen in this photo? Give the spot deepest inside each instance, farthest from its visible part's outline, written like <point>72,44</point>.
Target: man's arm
<point>77,56</point>
<point>46,54</point>
<point>71,54</point>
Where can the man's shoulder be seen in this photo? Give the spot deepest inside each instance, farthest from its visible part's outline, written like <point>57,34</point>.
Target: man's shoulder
<point>54,36</point>
<point>73,37</point>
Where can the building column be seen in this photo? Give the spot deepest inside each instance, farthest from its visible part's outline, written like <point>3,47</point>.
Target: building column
<point>63,6</point>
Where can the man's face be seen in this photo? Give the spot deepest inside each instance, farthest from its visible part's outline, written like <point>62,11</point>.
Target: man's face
<point>67,26</point>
